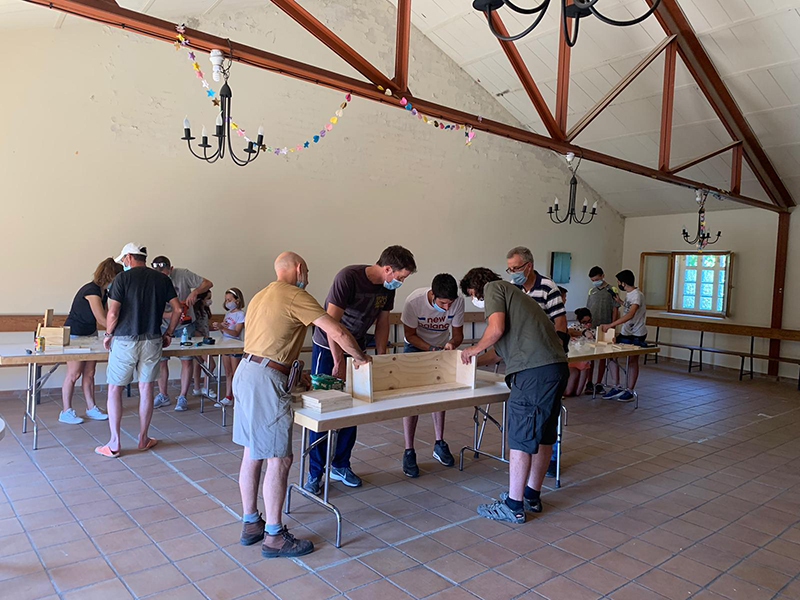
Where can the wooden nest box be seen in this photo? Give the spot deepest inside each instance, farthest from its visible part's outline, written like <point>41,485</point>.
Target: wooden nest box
<point>53,336</point>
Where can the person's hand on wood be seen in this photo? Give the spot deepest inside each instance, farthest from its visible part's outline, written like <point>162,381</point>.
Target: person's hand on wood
<point>357,362</point>
<point>467,354</point>
<point>449,346</point>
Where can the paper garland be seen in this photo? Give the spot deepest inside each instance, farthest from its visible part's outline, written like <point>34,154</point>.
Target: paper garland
<point>183,41</point>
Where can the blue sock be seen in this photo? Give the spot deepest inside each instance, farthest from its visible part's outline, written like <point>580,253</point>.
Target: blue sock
<point>250,517</point>
<point>273,529</point>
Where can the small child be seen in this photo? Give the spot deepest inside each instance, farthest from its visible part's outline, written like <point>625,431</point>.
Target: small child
<point>579,372</point>
<point>202,313</point>
<point>231,327</point>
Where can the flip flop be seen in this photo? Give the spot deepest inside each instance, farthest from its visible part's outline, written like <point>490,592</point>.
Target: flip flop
<point>151,443</point>
<point>106,451</point>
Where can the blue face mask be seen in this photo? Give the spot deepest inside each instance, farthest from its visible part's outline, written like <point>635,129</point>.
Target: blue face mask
<point>518,278</point>
<point>438,308</point>
<point>301,284</point>
<point>392,285</point>
<point>126,267</point>
<point>597,283</point>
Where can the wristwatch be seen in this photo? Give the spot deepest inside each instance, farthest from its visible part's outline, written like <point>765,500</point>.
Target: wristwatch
<point>168,333</point>
<point>107,334</point>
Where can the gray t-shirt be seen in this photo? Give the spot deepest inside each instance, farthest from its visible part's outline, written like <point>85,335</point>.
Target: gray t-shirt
<point>529,340</point>
<point>184,281</point>
<point>636,326</point>
<point>361,300</point>
<point>601,302</point>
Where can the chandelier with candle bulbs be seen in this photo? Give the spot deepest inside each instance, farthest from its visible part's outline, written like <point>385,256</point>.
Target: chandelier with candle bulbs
<point>701,239</point>
<point>571,214</point>
<point>574,10</point>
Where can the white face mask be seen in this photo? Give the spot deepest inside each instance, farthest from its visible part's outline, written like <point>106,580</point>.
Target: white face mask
<point>478,303</point>
<point>231,305</point>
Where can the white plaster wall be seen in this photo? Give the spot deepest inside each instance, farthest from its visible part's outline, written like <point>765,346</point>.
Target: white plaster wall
<point>752,235</point>
<point>90,158</point>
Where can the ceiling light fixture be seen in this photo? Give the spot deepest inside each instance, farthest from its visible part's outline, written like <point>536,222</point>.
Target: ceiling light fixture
<point>701,238</point>
<point>572,215</point>
<point>577,10</point>
<point>223,122</point>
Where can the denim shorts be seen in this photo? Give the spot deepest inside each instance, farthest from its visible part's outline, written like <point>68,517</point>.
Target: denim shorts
<point>635,340</point>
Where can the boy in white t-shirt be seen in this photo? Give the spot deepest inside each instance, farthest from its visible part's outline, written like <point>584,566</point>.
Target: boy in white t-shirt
<point>433,319</point>
<point>633,331</point>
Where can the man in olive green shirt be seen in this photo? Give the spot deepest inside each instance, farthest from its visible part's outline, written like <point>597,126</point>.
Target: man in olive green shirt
<point>519,332</point>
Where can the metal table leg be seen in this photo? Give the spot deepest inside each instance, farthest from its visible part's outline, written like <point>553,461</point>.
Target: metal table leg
<point>33,396</point>
<point>305,448</point>
<point>479,438</point>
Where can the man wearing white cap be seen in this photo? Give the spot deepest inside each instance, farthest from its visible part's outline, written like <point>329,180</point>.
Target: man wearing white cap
<point>133,338</point>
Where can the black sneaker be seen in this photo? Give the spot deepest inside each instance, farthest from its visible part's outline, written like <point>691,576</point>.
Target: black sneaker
<point>599,389</point>
<point>551,469</point>
<point>313,485</point>
<point>410,467</point>
<point>441,452</point>
<point>535,506</point>
<point>346,476</point>
<point>589,388</point>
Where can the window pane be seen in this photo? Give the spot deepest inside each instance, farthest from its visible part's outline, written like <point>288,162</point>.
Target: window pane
<point>707,289</point>
<point>709,260</point>
<point>690,275</point>
<point>720,306</point>
<point>688,302</point>
<point>721,291</point>
<point>689,289</point>
<point>723,261</point>
<point>722,276</point>
<point>691,260</point>
<point>707,276</point>
<point>705,303</point>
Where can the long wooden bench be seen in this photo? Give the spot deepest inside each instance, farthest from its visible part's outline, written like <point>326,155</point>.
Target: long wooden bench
<point>703,327</point>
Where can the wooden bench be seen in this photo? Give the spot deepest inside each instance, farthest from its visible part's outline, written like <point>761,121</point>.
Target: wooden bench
<point>704,327</point>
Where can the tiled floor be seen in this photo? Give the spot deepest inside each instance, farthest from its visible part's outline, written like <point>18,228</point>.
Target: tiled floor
<point>695,494</point>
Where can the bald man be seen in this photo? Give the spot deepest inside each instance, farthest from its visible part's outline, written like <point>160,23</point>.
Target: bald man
<point>275,328</point>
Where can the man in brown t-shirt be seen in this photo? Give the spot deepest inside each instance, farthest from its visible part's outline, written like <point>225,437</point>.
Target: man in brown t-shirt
<point>275,327</point>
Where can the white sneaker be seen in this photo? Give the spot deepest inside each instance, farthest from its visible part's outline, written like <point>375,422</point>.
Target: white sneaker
<point>161,400</point>
<point>69,417</point>
<point>181,404</point>
<point>96,414</point>
<point>205,392</point>
<point>196,392</point>
<point>226,401</point>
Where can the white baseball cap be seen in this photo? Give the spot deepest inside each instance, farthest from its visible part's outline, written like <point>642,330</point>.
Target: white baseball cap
<point>131,248</point>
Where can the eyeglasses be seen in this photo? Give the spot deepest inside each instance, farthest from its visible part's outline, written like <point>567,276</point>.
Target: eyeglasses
<point>586,322</point>
<point>516,269</point>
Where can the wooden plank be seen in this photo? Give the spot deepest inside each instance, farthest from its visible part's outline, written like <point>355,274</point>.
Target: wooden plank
<point>54,336</point>
<point>698,159</point>
<point>778,288</point>
<point>397,371</point>
<point>48,318</point>
<point>465,374</point>
<point>791,335</point>
<point>667,104</point>
<point>601,337</point>
<point>326,400</point>
<point>420,389</point>
<point>358,381</point>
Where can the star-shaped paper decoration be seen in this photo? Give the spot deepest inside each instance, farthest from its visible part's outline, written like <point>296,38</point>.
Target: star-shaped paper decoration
<point>305,145</point>
<point>205,84</point>
<point>210,93</point>
<point>263,147</point>
<point>215,101</point>
<point>191,56</point>
<point>240,132</point>
<point>181,28</point>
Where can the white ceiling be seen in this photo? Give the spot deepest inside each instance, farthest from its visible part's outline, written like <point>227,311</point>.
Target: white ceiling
<point>755,45</point>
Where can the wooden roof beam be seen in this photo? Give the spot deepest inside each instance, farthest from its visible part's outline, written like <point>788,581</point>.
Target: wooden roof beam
<point>401,45</point>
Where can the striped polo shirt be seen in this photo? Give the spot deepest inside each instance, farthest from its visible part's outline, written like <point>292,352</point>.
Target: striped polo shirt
<point>546,293</point>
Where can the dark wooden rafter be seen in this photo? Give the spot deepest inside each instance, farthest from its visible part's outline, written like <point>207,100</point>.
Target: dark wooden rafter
<point>528,84</point>
<point>736,169</point>
<point>667,106</point>
<point>699,64</point>
<point>316,28</point>
<point>562,81</point>
<point>149,26</point>
<point>704,157</point>
<point>402,45</point>
<point>612,94</point>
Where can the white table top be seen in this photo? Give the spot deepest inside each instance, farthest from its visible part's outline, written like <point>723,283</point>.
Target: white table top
<point>593,351</point>
<point>91,348</point>
<point>489,388</point>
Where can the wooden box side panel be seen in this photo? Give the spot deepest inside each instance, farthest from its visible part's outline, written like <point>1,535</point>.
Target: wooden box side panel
<point>465,374</point>
<point>326,400</point>
<point>398,371</point>
<point>604,338</point>
<point>359,381</point>
<point>55,336</point>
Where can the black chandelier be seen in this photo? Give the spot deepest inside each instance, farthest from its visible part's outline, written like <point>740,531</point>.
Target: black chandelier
<point>572,215</point>
<point>701,238</point>
<point>577,10</point>
<point>223,123</point>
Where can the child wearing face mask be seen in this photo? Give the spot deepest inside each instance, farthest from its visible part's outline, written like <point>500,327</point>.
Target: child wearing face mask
<point>231,327</point>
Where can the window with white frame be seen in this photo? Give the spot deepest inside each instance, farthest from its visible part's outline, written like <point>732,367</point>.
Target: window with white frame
<point>701,283</point>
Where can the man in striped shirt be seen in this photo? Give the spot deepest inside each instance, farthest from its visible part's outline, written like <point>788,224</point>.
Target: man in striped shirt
<point>546,293</point>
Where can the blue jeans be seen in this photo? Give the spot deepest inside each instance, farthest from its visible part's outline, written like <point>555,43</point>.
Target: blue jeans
<point>322,364</point>
<point>410,348</point>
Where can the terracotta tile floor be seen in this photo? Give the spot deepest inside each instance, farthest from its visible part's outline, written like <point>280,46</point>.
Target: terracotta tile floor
<point>695,494</point>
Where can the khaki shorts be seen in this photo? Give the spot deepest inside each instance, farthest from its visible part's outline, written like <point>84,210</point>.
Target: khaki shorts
<point>127,356</point>
<point>263,417</point>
